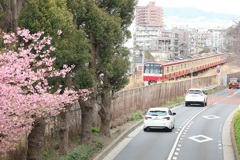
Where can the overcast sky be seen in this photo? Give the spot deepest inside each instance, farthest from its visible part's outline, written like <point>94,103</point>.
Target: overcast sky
<point>218,6</point>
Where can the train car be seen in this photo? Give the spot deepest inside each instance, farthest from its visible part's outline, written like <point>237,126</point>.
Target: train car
<point>154,72</point>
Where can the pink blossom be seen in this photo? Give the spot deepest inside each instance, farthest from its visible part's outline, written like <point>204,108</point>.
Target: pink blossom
<point>59,32</point>
<point>19,70</point>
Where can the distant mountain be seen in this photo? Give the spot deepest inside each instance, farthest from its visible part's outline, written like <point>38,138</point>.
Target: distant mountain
<point>195,17</point>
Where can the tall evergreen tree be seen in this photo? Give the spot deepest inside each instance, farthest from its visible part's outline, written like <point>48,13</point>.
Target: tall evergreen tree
<point>115,77</point>
<point>106,23</point>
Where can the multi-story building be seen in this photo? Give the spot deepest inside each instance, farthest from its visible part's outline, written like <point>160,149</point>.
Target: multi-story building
<point>149,16</point>
<point>178,43</point>
<point>211,39</point>
<point>216,40</point>
<point>148,25</point>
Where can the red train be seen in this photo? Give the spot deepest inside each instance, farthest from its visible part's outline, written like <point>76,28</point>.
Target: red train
<point>154,72</point>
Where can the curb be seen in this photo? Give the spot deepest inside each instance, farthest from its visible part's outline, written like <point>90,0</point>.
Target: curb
<point>116,141</point>
<point>230,150</point>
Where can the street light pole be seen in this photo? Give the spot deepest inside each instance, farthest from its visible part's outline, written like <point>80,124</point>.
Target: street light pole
<point>143,57</point>
<point>191,71</point>
<point>218,71</point>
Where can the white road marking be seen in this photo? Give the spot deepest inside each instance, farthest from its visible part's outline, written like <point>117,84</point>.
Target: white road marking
<point>211,117</point>
<point>200,138</point>
<point>179,135</point>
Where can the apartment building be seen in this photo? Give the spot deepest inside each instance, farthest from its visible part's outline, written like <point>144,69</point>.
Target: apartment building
<point>148,25</point>
<point>151,35</point>
<point>149,16</point>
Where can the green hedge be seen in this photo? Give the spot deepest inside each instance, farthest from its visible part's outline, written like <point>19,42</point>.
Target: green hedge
<point>237,130</point>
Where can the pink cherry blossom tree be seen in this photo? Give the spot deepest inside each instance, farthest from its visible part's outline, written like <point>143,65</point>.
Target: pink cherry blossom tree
<point>25,95</point>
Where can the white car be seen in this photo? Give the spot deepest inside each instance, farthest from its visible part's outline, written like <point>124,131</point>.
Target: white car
<point>159,118</point>
<point>196,96</point>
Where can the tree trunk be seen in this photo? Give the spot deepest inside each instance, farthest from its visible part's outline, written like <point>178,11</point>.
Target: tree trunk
<point>87,120</point>
<point>36,141</point>
<point>64,123</point>
<point>15,16</point>
<point>63,132</point>
<point>105,114</point>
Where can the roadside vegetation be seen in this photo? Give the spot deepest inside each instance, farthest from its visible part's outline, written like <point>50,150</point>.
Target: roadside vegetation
<point>174,102</point>
<point>236,125</point>
<point>78,151</point>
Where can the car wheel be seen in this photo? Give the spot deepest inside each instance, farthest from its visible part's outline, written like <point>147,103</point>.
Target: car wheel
<point>203,104</point>
<point>186,104</point>
<point>146,129</point>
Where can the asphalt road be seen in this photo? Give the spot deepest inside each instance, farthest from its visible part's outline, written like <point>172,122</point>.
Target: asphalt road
<point>200,134</point>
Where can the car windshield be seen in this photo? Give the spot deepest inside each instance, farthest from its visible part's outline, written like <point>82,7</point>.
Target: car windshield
<point>153,68</point>
<point>157,113</point>
<point>233,80</point>
<point>194,92</point>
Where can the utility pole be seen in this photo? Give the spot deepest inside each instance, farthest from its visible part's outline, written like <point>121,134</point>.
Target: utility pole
<point>134,58</point>
<point>143,57</point>
<point>191,71</point>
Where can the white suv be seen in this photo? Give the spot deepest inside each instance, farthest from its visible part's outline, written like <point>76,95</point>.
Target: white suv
<point>159,118</point>
<point>196,96</point>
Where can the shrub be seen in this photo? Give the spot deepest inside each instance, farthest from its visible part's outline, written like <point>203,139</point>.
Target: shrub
<point>95,129</point>
<point>237,129</point>
<point>137,116</point>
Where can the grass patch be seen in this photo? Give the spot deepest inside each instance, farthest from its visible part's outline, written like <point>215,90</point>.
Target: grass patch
<point>137,116</point>
<point>95,129</point>
<point>236,124</point>
<point>173,102</point>
<point>219,88</point>
<point>80,152</point>
<point>83,152</point>
<point>46,154</point>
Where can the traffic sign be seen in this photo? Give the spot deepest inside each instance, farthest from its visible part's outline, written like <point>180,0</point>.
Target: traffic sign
<point>218,70</point>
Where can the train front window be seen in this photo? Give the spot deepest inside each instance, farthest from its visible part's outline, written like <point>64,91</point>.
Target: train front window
<point>153,68</point>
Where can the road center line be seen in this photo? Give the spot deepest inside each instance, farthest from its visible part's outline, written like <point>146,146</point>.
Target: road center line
<point>183,128</point>
<point>180,133</point>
